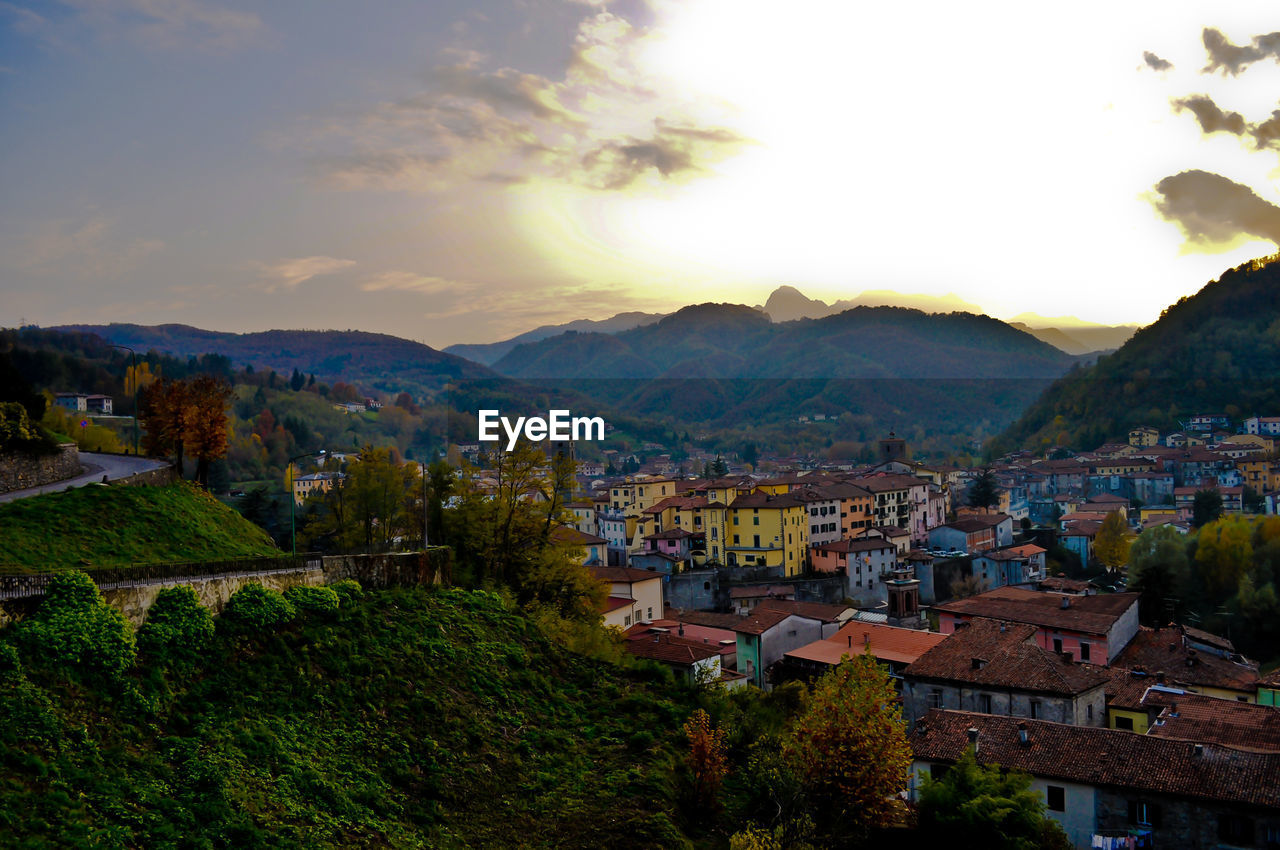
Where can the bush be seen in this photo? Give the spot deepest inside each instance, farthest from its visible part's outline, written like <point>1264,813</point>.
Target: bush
<point>348,590</point>
<point>177,625</point>
<point>253,608</point>
<point>313,600</point>
<point>75,628</point>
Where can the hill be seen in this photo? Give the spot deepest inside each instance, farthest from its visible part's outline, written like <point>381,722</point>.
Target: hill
<point>491,352</point>
<point>410,718</point>
<point>99,526</point>
<point>1217,351</point>
<point>382,361</point>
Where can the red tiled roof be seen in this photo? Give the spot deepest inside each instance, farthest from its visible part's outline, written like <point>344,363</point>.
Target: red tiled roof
<point>766,500</point>
<point>1102,757</point>
<point>713,619</point>
<point>624,574</point>
<point>573,537</point>
<point>887,643</point>
<point>756,591</point>
<point>671,650</point>
<point>813,610</point>
<point>613,603</point>
<point>1165,651</point>
<point>860,545</point>
<point>998,654</point>
<point>1089,614</point>
<point>1209,720</point>
<point>759,622</point>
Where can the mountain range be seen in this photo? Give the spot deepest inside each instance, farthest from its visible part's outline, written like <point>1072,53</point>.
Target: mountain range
<point>1217,351</point>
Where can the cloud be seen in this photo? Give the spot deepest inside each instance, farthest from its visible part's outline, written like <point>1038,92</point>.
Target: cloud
<point>155,24</point>
<point>403,281</point>
<point>1154,62</point>
<point>1232,58</point>
<point>289,273</point>
<point>1213,211</point>
<point>85,248</point>
<point>601,124</point>
<point>1212,119</point>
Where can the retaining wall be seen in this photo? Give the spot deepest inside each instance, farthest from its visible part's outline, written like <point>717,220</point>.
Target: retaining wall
<point>18,470</point>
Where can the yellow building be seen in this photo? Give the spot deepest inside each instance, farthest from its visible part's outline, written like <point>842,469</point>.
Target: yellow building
<point>1144,437</point>
<point>767,530</point>
<point>1261,474</point>
<point>635,596</point>
<point>316,482</point>
<point>635,495</point>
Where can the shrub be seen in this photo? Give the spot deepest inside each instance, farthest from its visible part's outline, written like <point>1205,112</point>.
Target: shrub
<point>348,589</point>
<point>323,601</point>
<point>253,608</point>
<point>75,628</point>
<point>177,625</point>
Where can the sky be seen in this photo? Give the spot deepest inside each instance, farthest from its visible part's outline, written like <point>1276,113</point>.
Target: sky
<point>465,170</point>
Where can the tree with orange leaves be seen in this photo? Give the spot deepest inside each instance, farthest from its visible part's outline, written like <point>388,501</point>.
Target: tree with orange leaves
<point>706,758</point>
<point>850,748</point>
<point>206,423</point>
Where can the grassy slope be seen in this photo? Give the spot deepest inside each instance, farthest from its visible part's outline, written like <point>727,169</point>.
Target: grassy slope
<point>113,526</point>
<point>414,719</point>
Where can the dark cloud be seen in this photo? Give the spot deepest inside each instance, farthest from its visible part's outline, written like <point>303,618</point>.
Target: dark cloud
<point>1234,58</point>
<point>505,89</point>
<point>1212,210</point>
<point>1212,119</point>
<point>1155,62</point>
<point>673,150</point>
<point>1267,134</point>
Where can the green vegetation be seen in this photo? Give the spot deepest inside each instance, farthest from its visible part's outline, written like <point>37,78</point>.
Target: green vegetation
<point>98,526</point>
<point>410,718</point>
<point>1217,351</point>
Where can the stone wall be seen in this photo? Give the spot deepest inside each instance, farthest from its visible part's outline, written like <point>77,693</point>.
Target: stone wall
<point>18,471</point>
<point>399,569</point>
<point>150,478</point>
<point>213,592</point>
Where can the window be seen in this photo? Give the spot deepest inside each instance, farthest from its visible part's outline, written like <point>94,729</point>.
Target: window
<point>984,703</point>
<point>1057,645</point>
<point>935,698</point>
<point>1084,651</point>
<point>1235,829</point>
<point>755,520</point>
<point>736,540</point>
<point>756,541</point>
<point>1142,813</point>
<point>650,613</point>
<point>1056,797</point>
<point>937,771</point>
<point>1035,709</point>
<point>1089,712</point>
<point>627,620</point>
<point>1124,723</point>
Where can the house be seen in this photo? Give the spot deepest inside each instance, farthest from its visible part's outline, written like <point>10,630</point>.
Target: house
<point>865,564</point>
<point>684,626</point>
<point>1090,628</point>
<point>767,530</point>
<point>584,515</point>
<point>680,544</point>
<point>974,533</point>
<point>998,667</point>
<point>1144,436</point>
<point>316,482</point>
<point>1011,565</point>
<point>590,547</point>
<point>634,595</point>
<point>1179,657</point>
<point>1101,784</point>
<point>1078,536</point>
<point>900,500</point>
<point>891,646</point>
<point>694,661</point>
<point>764,637</point>
<point>746,597</point>
<point>1184,716</point>
<point>1268,426</point>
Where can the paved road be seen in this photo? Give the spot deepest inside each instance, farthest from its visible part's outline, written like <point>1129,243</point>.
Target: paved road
<point>95,466</point>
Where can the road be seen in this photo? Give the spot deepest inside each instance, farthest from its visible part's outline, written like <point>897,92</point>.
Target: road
<point>96,466</point>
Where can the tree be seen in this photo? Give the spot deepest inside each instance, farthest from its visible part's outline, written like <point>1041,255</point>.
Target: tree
<point>206,423</point>
<point>850,749</point>
<point>706,759</point>
<point>163,416</point>
<point>1205,507</point>
<point>984,491</point>
<point>1158,571</point>
<point>1224,551</point>
<point>982,806</point>
<point>750,455</point>
<point>1112,542</point>
<point>719,468</point>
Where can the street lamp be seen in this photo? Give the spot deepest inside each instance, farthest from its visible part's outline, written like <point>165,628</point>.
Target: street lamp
<point>293,527</point>
<point>134,364</point>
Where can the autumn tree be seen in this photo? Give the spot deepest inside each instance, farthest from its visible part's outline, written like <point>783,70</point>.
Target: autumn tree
<point>1224,551</point>
<point>706,759</point>
<point>1158,572</point>
<point>206,423</point>
<point>163,415</point>
<point>1112,542</point>
<point>850,749</point>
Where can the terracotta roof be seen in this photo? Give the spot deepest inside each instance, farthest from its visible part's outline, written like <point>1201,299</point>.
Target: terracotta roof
<point>1064,585</point>
<point>1210,720</point>
<point>757,590</point>
<point>813,610</point>
<point>918,555</point>
<point>671,650</point>
<point>678,502</point>
<point>766,500</point>
<point>1088,614</point>
<point>889,482</point>
<point>971,524</point>
<point>999,654</point>
<point>1272,679</point>
<point>1108,757</point>
<point>1127,688</point>
<point>887,643</point>
<point>573,537</point>
<point>860,545</point>
<point>713,619</point>
<point>671,534</point>
<point>1165,651</point>
<point>1107,498</point>
<point>613,603</point>
<point>759,622</point>
<point>624,574</point>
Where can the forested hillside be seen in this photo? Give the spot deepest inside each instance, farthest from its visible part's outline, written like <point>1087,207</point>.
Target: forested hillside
<point>1217,351</point>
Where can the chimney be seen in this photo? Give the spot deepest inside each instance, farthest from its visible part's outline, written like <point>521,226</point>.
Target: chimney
<point>973,738</point>
<point>1160,677</point>
<point>1197,750</point>
<point>1065,603</point>
<point>1022,733</point>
